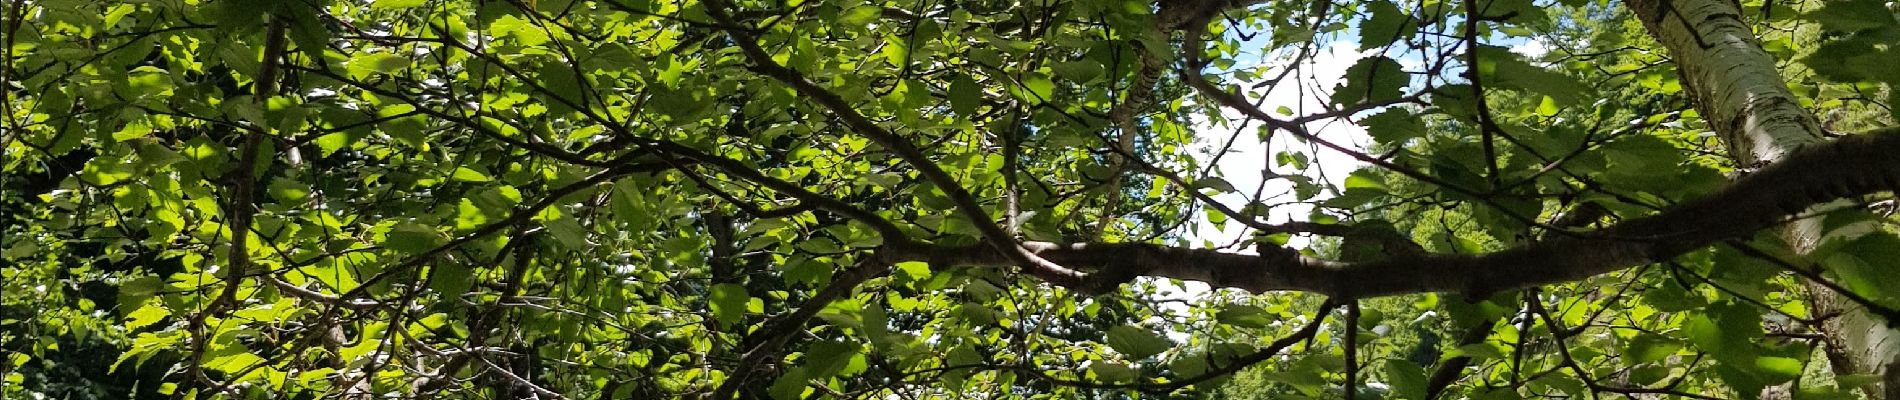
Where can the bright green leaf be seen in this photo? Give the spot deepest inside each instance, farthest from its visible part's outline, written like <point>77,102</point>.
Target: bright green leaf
<point>727,302</point>
<point>392,4</point>
<point>467,174</point>
<point>1137,342</point>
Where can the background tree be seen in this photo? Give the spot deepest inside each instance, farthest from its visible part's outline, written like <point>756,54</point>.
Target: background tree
<point>844,199</point>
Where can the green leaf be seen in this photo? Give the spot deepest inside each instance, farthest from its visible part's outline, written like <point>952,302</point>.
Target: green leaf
<point>289,192</point>
<point>469,216</point>
<point>107,170</point>
<point>1852,15</point>
<point>727,302</point>
<point>466,174</point>
<point>1243,316</point>
<point>413,238</point>
<point>965,96</point>
<point>1079,71</point>
<point>496,201</point>
<point>627,205</point>
<point>366,64</point>
<point>1296,160</point>
<point>1393,126</point>
<point>396,4</point>
<point>827,359</point>
<point>1646,348</point>
<point>1191,364</point>
<point>1856,380</point>
<point>1779,368</point>
<point>134,292</point>
<point>1856,59</point>
<point>240,359</point>
<point>1387,24</point>
<point>1112,372</point>
<point>329,144</point>
<point>895,51</point>
<point>411,131</point>
<point>790,386</point>
<point>1137,342</point>
<point>1372,79</point>
<point>1366,179</point>
<point>1407,379</point>
<point>145,316</point>
<point>570,233</point>
<point>1547,107</point>
<point>132,130</point>
<point>450,280</point>
<point>859,16</point>
<point>1039,89</point>
<point>525,32</point>
<point>1215,184</point>
<point>1514,11</point>
<point>1479,351</point>
<point>1869,265</point>
<point>147,81</point>
<point>1503,68</point>
<point>682,104</point>
<point>564,85</point>
<point>117,13</point>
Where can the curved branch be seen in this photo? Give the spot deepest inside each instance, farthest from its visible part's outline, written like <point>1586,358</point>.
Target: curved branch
<point>1851,166</point>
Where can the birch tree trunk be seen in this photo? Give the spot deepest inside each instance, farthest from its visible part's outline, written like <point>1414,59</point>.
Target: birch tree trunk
<point>1742,95</point>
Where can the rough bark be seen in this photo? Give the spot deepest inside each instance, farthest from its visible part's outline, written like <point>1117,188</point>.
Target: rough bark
<point>1742,95</point>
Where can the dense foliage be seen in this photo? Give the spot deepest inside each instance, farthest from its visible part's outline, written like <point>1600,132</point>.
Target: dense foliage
<point>670,198</point>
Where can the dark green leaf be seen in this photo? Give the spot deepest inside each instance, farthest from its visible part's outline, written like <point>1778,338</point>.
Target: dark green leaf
<point>1112,372</point>
<point>450,280</point>
<point>1372,79</point>
<point>1243,316</point>
<point>1387,24</point>
<point>1393,126</point>
<point>1852,15</point>
<point>1136,342</point>
<point>965,96</point>
<point>413,238</point>
<point>1407,379</point>
<point>1081,71</point>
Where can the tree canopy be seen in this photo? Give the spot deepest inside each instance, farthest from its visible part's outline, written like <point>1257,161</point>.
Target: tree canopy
<point>565,199</point>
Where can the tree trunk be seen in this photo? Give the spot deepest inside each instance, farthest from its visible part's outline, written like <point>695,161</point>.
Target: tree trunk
<point>1742,95</point>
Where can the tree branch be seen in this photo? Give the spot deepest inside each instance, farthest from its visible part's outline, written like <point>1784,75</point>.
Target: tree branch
<point>1850,166</point>
<point>965,203</point>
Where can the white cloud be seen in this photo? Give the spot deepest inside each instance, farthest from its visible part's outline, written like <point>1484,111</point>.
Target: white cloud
<point>1531,49</point>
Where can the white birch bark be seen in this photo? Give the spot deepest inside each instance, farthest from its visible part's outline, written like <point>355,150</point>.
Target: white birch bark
<point>1746,101</point>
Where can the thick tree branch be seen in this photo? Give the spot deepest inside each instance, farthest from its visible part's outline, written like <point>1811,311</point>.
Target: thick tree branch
<point>1850,166</point>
